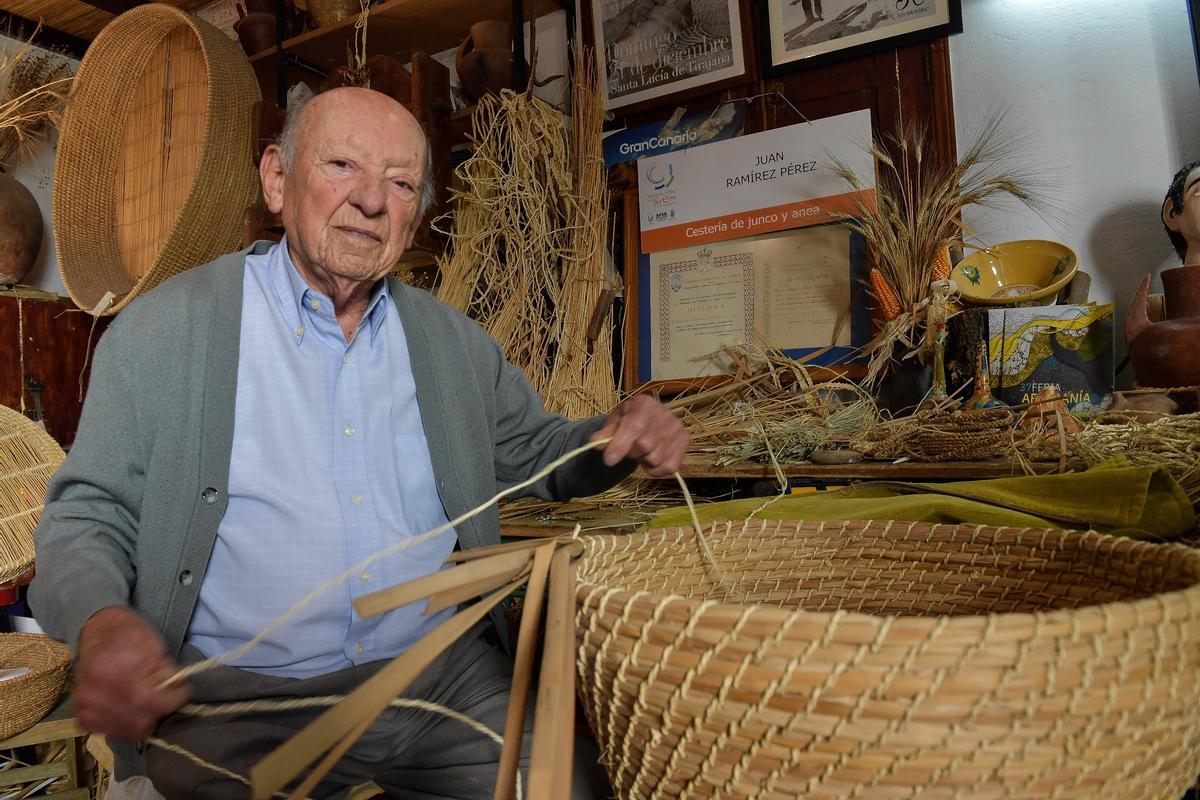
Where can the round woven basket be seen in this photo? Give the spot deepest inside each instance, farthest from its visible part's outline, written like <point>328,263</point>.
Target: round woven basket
<point>28,698</point>
<point>154,169</point>
<point>28,459</point>
<point>891,660</point>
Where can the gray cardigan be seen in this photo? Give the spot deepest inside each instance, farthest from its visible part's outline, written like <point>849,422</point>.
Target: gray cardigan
<point>131,517</point>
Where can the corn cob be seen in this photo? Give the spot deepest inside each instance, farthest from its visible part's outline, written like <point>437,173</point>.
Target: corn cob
<point>889,304</point>
<point>941,265</point>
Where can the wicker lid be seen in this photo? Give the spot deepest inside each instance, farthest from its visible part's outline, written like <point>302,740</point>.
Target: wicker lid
<point>155,166</point>
<point>28,458</point>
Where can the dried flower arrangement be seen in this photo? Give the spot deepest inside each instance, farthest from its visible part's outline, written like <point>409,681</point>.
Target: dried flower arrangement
<point>917,216</point>
<point>37,83</point>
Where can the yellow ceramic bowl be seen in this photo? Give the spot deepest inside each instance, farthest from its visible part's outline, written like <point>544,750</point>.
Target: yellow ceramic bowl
<point>1015,272</point>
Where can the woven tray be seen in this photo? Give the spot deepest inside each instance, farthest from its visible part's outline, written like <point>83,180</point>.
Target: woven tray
<point>154,168</point>
<point>891,660</point>
<point>28,459</point>
<point>25,700</point>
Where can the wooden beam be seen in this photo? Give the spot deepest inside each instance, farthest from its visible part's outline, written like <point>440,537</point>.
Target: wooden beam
<point>19,27</point>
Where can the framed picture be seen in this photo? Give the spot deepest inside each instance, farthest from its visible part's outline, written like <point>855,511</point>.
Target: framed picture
<point>799,290</point>
<point>1194,18</point>
<point>811,33</point>
<point>655,52</point>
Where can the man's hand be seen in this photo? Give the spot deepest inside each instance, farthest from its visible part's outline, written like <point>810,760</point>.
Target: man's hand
<point>645,430</point>
<point>121,663</point>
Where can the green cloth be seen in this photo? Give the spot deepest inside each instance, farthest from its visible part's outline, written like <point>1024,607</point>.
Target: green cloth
<point>1113,497</point>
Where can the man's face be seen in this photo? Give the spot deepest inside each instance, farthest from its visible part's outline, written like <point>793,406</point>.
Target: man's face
<point>351,202</point>
<point>1187,220</point>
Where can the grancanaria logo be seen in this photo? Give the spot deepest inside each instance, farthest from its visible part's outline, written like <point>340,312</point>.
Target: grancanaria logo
<point>655,176</point>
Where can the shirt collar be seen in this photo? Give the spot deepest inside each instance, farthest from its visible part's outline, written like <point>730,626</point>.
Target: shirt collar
<point>296,297</point>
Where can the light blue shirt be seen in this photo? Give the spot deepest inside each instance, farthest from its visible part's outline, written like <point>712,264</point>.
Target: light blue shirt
<point>329,465</point>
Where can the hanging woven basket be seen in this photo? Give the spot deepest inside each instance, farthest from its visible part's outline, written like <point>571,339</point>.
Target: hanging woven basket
<point>891,660</point>
<point>28,459</point>
<point>25,699</point>
<point>154,169</point>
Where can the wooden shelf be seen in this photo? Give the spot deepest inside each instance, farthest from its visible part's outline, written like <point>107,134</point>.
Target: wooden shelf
<point>398,28</point>
<point>869,470</point>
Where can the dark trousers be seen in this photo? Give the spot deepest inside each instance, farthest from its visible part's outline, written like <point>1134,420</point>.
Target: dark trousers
<point>410,753</point>
<point>811,6</point>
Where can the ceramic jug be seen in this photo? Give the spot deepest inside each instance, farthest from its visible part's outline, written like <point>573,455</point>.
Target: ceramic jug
<point>1167,353</point>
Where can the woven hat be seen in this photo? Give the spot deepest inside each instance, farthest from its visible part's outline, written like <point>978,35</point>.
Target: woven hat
<point>25,699</point>
<point>28,459</point>
<point>887,660</point>
<point>154,169</point>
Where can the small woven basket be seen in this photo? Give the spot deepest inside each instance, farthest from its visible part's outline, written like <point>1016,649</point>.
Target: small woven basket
<point>28,698</point>
<point>891,660</point>
<point>28,459</point>
<point>155,162</point>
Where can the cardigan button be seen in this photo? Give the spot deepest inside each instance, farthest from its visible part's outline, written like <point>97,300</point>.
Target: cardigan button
<point>209,495</point>
<point>185,577</point>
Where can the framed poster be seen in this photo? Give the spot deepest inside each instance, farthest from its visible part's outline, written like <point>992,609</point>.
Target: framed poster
<point>655,52</point>
<point>801,291</point>
<point>810,33</point>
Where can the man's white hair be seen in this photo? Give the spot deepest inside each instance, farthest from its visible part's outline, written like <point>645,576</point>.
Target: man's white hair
<point>287,153</point>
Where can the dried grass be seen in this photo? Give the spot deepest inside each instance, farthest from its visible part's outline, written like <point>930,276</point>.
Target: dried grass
<point>528,246</point>
<point>37,84</point>
<point>917,213</point>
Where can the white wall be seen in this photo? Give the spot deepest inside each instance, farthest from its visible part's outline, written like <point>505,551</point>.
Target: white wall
<point>37,174</point>
<point>1108,90</point>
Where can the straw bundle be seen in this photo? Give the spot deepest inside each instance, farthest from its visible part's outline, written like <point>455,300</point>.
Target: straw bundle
<point>25,699</point>
<point>891,660</point>
<point>154,168</point>
<point>28,459</point>
<point>528,260</point>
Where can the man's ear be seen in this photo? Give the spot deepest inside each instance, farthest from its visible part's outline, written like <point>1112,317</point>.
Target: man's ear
<point>270,172</point>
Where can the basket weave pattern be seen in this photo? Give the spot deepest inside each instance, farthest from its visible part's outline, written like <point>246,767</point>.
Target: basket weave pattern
<point>25,700</point>
<point>891,660</point>
<point>95,165</point>
<point>28,459</point>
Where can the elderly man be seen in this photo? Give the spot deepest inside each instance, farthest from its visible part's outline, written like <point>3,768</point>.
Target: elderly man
<point>261,423</point>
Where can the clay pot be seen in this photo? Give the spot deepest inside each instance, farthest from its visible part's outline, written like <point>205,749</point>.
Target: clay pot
<point>256,32</point>
<point>484,59</point>
<point>1167,353</point>
<point>327,12</point>
<point>20,230</point>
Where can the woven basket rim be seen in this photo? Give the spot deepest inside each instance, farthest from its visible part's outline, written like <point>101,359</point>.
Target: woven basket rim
<point>55,650</point>
<point>769,613</point>
<point>105,58</point>
<point>51,454</point>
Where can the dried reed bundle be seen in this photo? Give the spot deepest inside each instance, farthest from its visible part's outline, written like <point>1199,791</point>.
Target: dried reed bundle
<point>36,85</point>
<point>917,213</point>
<point>529,242</point>
<point>1172,443</point>
<point>581,382</point>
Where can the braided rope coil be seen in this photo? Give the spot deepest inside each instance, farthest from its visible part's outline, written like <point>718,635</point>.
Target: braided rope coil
<point>891,660</point>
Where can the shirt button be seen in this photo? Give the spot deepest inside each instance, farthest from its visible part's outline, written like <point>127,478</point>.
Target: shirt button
<point>209,495</point>
<point>359,649</point>
<point>346,358</point>
<point>366,577</point>
<point>348,430</point>
<point>185,578</point>
<point>356,499</point>
<point>314,305</point>
<point>299,330</point>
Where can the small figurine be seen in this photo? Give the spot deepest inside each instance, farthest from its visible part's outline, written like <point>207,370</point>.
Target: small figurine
<point>936,314</point>
<point>1181,218</point>
<point>982,398</point>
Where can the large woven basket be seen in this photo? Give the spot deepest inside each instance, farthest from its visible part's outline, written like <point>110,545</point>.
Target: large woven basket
<point>25,700</point>
<point>28,459</point>
<point>891,660</point>
<point>155,167</point>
